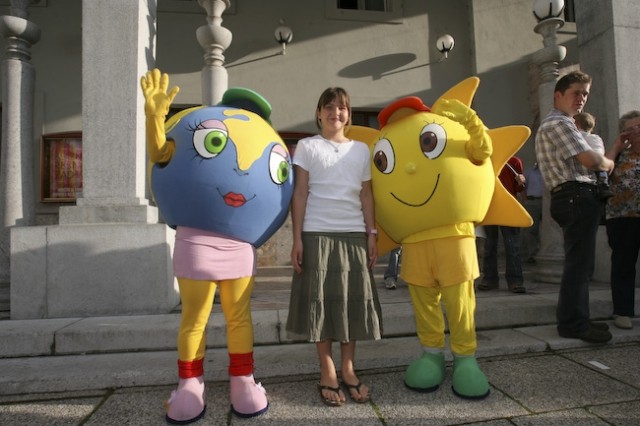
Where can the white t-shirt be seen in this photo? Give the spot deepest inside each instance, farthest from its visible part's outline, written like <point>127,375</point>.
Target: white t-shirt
<point>594,141</point>
<point>336,172</point>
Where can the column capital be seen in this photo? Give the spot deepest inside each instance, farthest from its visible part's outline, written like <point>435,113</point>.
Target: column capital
<point>215,9</point>
<point>548,29</point>
<point>214,39</point>
<point>21,34</point>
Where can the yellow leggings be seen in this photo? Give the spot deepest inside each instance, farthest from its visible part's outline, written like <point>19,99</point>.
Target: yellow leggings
<point>460,305</point>
<point>197,302</point>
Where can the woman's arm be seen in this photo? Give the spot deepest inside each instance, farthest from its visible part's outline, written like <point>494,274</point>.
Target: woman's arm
<point>298,208</point>
<point>368,211</point>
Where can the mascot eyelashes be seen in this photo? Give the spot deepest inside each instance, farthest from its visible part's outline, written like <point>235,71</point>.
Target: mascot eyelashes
<point>221,176</point>
<point>434,179</point>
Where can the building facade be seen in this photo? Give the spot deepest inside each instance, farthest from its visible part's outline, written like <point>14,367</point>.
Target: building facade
<point>86,97</point>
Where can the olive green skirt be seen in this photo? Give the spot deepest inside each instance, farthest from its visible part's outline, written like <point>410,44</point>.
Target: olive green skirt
<point>334,297</point>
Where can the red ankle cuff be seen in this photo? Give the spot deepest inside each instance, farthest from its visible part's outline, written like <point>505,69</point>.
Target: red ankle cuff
<point>241,364</point>
<point>188,369</point>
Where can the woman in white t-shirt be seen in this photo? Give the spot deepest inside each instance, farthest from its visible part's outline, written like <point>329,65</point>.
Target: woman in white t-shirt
<point>333,295</point>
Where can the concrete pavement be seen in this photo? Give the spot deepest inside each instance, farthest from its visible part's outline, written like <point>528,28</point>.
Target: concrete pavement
<point>118,370</point>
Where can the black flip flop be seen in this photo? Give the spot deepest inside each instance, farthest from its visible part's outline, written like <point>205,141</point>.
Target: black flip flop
<point>330,402</point>
<point>357,387</point>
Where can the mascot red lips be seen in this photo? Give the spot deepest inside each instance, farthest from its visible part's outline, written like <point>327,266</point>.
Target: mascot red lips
<point>234,200</point>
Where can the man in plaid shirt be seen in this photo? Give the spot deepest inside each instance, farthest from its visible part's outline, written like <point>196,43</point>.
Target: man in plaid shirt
<point>567,163</point>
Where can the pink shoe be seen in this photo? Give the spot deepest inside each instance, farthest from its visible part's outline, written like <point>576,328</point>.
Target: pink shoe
<point>248,398</point>
<point>187,403</point>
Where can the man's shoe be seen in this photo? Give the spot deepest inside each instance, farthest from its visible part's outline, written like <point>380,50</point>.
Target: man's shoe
<point>485,286</point>
<point>591,335</point>
<point>600,325</point>
<point>517,288</point>
<point>623,322</point>
<point>390,283</point>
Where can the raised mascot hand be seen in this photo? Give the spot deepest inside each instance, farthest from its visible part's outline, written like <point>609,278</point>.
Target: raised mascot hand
<point>479,147</point>
<point>154,87</point>
<point>455,110</point>
<point>157,102</point>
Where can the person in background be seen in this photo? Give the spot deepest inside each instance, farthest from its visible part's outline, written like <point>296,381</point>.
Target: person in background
<point>585,122</point>
<point>514,181</point>
<point>623,218</point>
<point>333,292</point>
<point>391,273</point>
<point>567,163</point>
<point>533,203</point>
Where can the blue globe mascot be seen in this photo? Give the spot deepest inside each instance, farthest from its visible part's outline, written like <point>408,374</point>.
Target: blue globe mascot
<point>221,177</point>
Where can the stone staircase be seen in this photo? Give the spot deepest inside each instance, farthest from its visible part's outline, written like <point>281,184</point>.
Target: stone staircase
<point>5,297</point>
<point>495,310</point>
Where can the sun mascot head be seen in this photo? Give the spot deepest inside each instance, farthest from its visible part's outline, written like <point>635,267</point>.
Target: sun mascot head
<point>437,167</point>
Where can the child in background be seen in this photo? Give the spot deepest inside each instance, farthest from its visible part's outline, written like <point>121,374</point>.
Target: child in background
<point>585,122</point>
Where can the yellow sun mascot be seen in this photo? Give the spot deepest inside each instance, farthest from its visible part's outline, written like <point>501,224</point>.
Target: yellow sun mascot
<point>434,179</point>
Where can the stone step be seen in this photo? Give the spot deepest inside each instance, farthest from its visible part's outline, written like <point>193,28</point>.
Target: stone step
<point>5,296</point>
<point>148,333</point>
<point>495,310</point>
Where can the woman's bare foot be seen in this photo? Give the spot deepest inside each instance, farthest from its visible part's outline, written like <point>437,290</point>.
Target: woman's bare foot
<point>359,392</point>
<point>329,382</point>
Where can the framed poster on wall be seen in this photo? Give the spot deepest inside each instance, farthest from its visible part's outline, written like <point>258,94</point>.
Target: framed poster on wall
<point>61,167</point>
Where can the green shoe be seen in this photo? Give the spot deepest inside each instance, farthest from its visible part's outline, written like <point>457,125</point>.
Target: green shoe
<point>426,373</point>
<point>468,380</point>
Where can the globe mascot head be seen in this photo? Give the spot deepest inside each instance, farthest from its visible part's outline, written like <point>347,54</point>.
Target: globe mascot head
<point>437,167</point>
<point>230,173</point>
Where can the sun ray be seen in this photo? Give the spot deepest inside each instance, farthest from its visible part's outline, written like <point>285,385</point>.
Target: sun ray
<point>504,208</point>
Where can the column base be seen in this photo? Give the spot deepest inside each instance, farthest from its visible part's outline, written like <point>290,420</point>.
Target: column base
<point>108,211</point>
<point>92,270</point>
<point>548,268</point>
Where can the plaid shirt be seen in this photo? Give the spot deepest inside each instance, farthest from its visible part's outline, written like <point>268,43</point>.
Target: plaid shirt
<point>558,141</point>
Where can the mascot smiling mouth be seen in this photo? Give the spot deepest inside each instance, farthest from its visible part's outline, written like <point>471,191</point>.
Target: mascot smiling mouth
<point>424,202</point>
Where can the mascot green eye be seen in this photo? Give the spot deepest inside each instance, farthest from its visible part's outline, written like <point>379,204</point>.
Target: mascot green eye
<point>279,167</point>
<point>210,142</point>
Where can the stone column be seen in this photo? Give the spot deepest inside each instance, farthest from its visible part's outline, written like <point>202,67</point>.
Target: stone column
<point>109,255</point>
<point>116,52</point>
<point>214,39</point>
<point>612,29</point>
<point>16,158</point>
<point>549,261</point>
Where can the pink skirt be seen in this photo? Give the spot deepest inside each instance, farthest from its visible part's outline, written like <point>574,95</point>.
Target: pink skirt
<point>205,255</point>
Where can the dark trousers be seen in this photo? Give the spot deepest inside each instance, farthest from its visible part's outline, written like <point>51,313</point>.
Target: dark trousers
<point>394,261</point>
<point>511,240</point>
<point>576,208</point>
<point>624,239</point>
<point>532,234</point>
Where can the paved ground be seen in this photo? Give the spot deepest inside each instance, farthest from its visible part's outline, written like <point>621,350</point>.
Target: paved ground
<point>539,385</point>
<point>118,371</point>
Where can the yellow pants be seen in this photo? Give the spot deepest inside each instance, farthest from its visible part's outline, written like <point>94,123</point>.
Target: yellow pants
<point>460,305</point>
<point>197,303</point>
